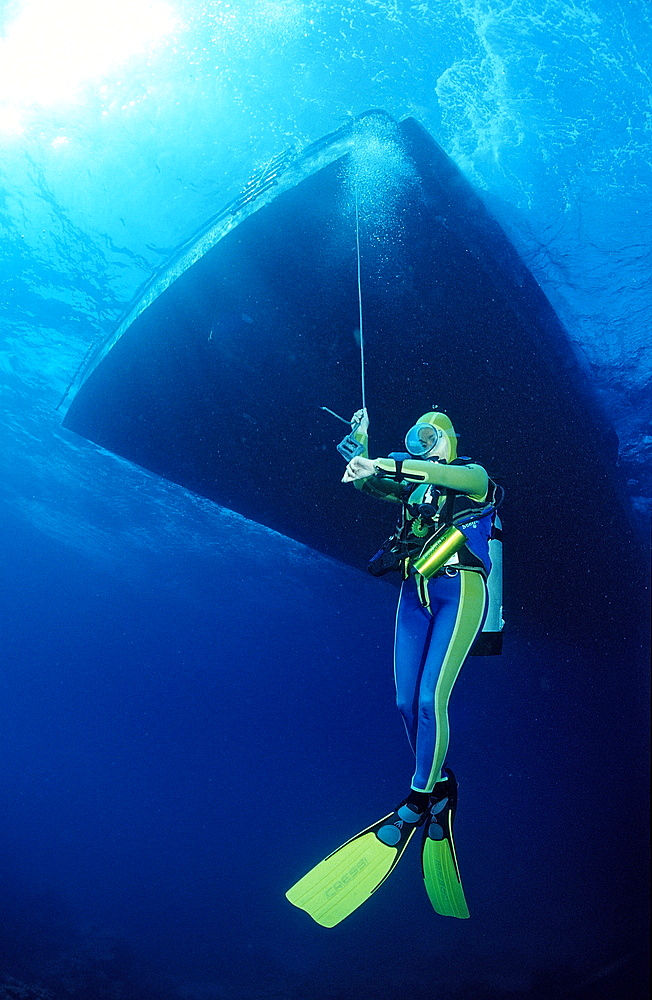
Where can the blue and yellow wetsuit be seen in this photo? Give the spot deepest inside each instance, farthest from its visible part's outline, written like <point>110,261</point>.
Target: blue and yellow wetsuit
<point>441,609</point>
<point>438,619</point>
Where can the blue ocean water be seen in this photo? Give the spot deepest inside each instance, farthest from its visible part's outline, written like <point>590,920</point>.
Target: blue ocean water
<point>195,709</point>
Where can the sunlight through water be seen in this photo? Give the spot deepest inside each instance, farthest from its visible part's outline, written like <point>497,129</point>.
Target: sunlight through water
<point>50,52</point>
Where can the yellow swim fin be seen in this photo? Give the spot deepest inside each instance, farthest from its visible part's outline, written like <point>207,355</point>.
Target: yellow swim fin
<point>344,880</point>
<point>441,873</point>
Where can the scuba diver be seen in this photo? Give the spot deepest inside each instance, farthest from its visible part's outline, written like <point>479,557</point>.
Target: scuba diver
<point>441,549</point>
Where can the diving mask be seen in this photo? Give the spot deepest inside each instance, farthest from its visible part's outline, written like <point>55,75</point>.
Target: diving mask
<point>422,439</point>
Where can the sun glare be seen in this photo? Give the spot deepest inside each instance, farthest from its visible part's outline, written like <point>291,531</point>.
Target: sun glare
<point>50,51</point>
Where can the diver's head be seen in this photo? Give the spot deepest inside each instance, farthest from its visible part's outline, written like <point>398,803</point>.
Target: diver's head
<point>422,440</point>
<point>432,436</point>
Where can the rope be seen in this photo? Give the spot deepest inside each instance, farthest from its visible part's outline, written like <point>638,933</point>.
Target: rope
<point>357,247</point>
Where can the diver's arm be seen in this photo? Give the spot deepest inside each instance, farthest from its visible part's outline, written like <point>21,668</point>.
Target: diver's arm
<point>470,479</point>
<point>360,430</point>
<point>380,489</point>
<point>376,486</point>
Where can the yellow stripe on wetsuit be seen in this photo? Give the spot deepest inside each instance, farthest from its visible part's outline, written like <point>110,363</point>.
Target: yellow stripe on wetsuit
<point>470,612</point>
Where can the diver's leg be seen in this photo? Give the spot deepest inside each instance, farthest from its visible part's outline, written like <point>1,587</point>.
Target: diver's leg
<point>413,628</point>
<point>459,605</point>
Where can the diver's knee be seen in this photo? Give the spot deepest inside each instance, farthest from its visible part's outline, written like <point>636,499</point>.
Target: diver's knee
<point>405,708</point>
<point>426,710</point>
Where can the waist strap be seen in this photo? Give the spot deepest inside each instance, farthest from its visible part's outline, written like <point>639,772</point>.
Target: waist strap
<point>422,584</point>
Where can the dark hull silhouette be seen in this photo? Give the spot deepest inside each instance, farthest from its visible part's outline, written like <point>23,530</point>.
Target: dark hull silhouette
<point>215,378</point>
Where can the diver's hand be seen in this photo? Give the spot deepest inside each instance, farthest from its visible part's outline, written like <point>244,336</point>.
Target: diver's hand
<point>360,421</point>
<point>358,468</point>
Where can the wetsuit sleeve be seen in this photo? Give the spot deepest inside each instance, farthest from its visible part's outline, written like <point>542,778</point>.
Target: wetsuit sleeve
<point>381,489</point>
<point>376,486</point>
<point>470,479</point>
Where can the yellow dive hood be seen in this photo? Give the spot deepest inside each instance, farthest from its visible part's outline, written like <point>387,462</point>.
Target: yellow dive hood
<point>441,421</point>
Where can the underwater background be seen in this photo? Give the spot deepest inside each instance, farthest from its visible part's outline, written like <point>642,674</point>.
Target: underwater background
<point>195,709</point>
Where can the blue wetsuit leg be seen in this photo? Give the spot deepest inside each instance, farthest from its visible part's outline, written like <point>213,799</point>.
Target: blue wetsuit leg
<point>429,652</point>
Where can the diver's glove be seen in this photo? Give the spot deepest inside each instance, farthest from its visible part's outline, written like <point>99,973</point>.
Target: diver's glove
<point>355,443</point>
<point>360,422</point>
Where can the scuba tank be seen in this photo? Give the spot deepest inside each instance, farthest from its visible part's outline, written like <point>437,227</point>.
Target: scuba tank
<point>489,642</point>
<point>448,540</point>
